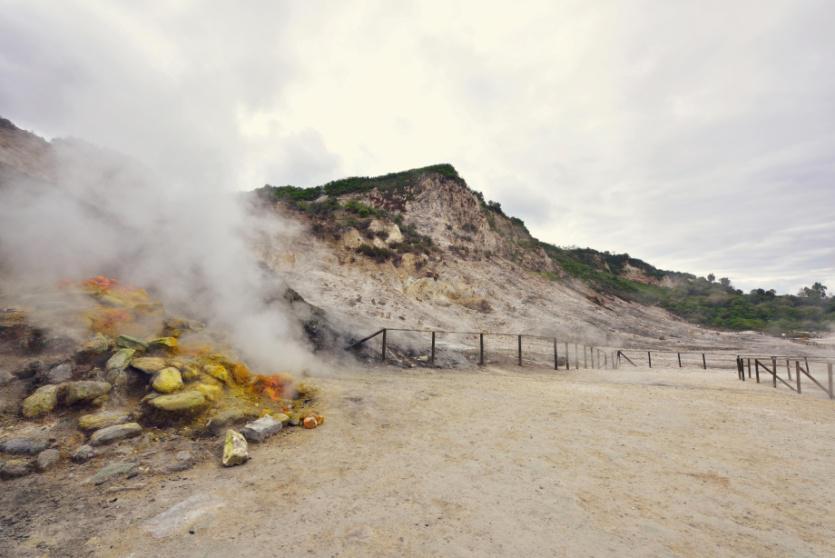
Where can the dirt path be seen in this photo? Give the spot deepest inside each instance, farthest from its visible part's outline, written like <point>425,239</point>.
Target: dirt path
<point>500,463</point>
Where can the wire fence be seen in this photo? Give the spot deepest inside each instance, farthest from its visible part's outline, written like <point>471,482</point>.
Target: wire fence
<point>440,348</point>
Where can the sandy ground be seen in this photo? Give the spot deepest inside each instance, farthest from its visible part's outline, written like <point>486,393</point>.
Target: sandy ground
<point>497,462</point>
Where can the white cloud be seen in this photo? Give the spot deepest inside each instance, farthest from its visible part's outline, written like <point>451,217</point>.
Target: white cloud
<point>695,135</point>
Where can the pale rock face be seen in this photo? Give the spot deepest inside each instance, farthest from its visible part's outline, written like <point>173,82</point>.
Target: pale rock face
<point>352,239</point>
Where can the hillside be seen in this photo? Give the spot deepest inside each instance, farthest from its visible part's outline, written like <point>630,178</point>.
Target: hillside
<point>410,219</point>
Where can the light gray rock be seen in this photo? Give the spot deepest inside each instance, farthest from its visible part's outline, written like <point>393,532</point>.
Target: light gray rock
<point>47,458</point>
<point>59,373</point>
<point>261,429</point>
<point>181,515</point>
<point>83,454</point>
<point>24,446</point>
<point>14,468</point>
<point>115,433</point>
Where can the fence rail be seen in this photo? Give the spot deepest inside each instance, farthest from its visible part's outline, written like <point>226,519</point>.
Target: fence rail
<point>484,347</point>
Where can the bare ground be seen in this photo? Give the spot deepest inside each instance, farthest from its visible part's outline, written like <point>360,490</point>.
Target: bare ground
<point>495,462</point>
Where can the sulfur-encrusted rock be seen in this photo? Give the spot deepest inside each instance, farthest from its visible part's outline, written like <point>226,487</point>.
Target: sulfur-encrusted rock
<point>259,430</point>
<point>46,459</point>
<point>183,402</point>
<point>41,402</point>
<point>149,365</point>
<point>168,343</point>
<point>217,372</point>
<point>120,359</point>
<point>210,392</point>
<point>103,419</point>
<point>96,345</point>
<point>115,433</point>
<point>24,446</point>
<point>84,391</point>
<point>234,449</point>
<point>14,468</point>
<point>128,342</point>
<point>83,454</point>
<point>167,380</point>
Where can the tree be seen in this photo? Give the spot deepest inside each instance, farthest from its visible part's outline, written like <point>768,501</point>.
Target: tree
<point>711,278</point>
<point>725,282</point>
<point>816,291</point>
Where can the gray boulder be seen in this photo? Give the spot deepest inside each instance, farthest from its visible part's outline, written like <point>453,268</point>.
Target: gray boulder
<point>83,454</point>
<point>14,468</point>
<point>24,446</point>
<point>113,469</point>
<point>5,377</point>
<point>59,373</point>
<point>261,429</point>
<point>47,458</point>
<point>84,391</point>
<point>115,433</point>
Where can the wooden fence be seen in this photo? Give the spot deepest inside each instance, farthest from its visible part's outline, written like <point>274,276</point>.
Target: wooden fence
<point>773,365</point>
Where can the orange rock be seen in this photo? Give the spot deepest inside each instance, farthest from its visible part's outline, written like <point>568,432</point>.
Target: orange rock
<point>310,422</point>
<point>320,420</point>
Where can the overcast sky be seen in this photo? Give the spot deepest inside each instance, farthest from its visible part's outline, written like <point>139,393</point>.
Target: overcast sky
<point>698,136</point>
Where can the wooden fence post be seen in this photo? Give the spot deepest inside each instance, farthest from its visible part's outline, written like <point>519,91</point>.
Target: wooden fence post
<point>829,373</point>
<point>432,355</point>
<point>567,357</point>
<point>519,339</point>
<point>585,358</point>
<point>556,356</point>
<point>704,361</point>
<point>757,368</point>
<point>797,373</point>
<point>576,357</point>
<point>788,369</point>
<point>383,352</point>
<point>481,349</point>
<point>679,359</point>
<point>749,368</point>
<point>649,358</point>
<point>774,370</point>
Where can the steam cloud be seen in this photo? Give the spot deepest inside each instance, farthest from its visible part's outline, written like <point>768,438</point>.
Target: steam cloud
<point>100,212</point>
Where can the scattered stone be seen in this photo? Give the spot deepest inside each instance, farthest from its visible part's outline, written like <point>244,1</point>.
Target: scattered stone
<point>184,401</point>
<point>84,391</point>
<point>41,402</point>
<point>230,417</point>
<point>47,458</point>
<point>24,446</point>
<point>211,392</point>
<point>59,373</point>
<point>101,420</point>
<point>114,433</point>
<point>183,460</point>
<point>217,372</point>
<point>189,372</point>
<point>261,429</point>
<point>120,359</point>
<point>29,370</point>
<point>5,377</point>
<point>83,454</point>
<point>149,365</point>
<point>167,380</point>
<point>113,469</point>
<point>96,345</point>
<point>14,468</point>
<point>310,422</point>
<point>128,342</point>
<point>234,449</point>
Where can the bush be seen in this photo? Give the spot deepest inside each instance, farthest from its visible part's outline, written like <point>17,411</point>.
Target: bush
<point>379,255</point>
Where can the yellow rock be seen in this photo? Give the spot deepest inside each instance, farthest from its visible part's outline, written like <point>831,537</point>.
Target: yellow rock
<point>167,380</point>
<point>41,402</point>
<point>217,372</point>
<point>211,392</point>
<point>184,401</point>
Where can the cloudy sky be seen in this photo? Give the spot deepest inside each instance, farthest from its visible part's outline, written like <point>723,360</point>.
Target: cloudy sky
<point>699,136</point>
